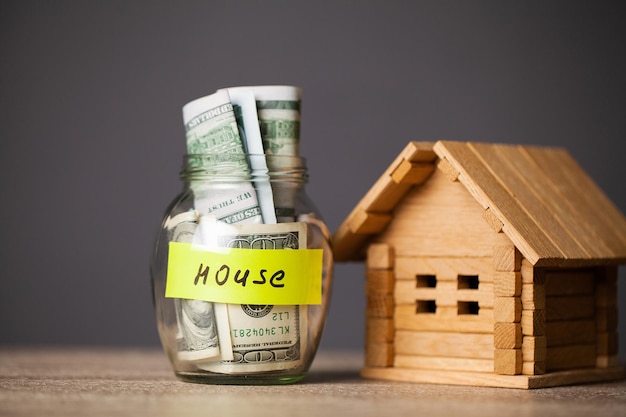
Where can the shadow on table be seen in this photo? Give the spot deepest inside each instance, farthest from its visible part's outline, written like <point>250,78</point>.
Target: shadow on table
<point>327,376</point>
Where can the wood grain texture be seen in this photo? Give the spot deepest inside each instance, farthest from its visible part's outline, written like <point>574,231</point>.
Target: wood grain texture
<point>414,164</point>
<point>444,268</point>
<point>490,193</point>
<point>443,320</point>
<point>507,361</point>
<point>534,348</point>
<point>548,205</point>
<point>439,219</point>
<point>583,196</point>
<point>380,256</point>
<point>448,344</point>
<point>481,379</point>
<point>443,363</point>
<point>98,381</point>
<point>539,197</point>
<point>444,295</point>
<point>507,335</point>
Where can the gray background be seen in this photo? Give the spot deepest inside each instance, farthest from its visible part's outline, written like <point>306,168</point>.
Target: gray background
<point>91,136</point>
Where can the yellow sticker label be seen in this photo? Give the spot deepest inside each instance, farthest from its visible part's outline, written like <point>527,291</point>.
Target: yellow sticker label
<point>244,276</point>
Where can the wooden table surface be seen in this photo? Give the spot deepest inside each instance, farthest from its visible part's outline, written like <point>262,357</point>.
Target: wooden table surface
<point>136,382</point>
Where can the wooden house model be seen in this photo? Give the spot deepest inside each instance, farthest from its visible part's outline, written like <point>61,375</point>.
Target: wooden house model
<point>487,265</point>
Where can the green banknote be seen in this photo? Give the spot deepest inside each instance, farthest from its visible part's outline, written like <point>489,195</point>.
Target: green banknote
<point>197,328</point>
<point>233,338</point>
<point>263,337</point>
<point>278,108</point>
<point>216,146</point>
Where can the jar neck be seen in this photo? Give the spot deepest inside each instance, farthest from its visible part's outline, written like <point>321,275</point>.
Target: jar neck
<point>243,167</point>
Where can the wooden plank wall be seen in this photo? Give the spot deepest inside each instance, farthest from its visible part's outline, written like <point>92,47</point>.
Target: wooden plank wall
<point>507,262</point>
<point>379,331</point>
<point>606,318</point>
<point>570,319</point>
<point>453,331</point>
<point>533,320</point>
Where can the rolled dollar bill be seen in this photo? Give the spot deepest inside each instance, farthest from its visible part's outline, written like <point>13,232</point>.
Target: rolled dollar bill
<point>211,129</point>
<point>244,106</point>
<point>197,335</point>
<point>256,340</point>
<point>214,141</point>
<point>278,107</point>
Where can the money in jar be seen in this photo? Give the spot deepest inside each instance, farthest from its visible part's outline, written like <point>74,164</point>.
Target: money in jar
<point>242,266</point>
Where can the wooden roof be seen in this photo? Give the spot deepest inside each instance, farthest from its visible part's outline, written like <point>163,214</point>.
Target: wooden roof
<point>539,197</point>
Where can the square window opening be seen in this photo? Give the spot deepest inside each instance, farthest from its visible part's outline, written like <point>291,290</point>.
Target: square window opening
<point>426,307</point>
<point>467,308</point>
<point>426,281</point>
<point>467,282</point>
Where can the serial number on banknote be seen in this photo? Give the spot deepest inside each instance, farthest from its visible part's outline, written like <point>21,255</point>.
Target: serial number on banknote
<point>262,331</point>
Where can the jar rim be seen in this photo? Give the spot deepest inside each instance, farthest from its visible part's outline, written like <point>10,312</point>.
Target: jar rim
<point>243,166</point>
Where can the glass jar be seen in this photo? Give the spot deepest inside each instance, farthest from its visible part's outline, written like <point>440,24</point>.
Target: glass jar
<point>230,245</point>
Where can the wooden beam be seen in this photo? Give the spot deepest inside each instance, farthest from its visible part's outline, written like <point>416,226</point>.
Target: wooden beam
<point>446,319</point>
<point>607,343</point>
<point>534,192</point>
<point>579,195</point>
<point>606,319</point>
<point>569,282</point>
<point>533,297</point>
<point>506,258</point>
<point>412,173</point>
<point>533,368</point>
<point>492,220</point>
<point>488,191</point>
<point>445,294</point>
<point>380,256</point>
<point>533,322</point>
<point>534,348</point>
<point>570,332</point>
<point>448,169</point>
<point>507,284</point>
<point>449,344</point>
<point>444,268</point>
<point>379,306</point>
<point>491,379</point>
<point>607,361</point>
<point>378,354</point>
<point>508,361</point>
<point>369,223</point>
<point>507,335</point>
<point>379,281</point>
<point>570,357</point>
<point>570,308</point>
<point>507,309</point>
<point>443,363</point>
<point>606,288</point>
<point>379,330</point>
<point>530,274</point>
<point>371,211</point>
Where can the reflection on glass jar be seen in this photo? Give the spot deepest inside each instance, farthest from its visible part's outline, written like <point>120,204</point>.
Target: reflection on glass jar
<point>242,272</point>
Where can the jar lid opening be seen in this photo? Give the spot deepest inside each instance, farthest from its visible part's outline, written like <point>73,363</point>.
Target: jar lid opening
<point>243,167</point>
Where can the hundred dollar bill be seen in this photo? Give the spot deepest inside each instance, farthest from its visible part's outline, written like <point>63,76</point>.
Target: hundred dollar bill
<point>264,337</point>
<point>278,109</point>
<point>248,125</point>
<point>197,335</point>
<point>211,131</point>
